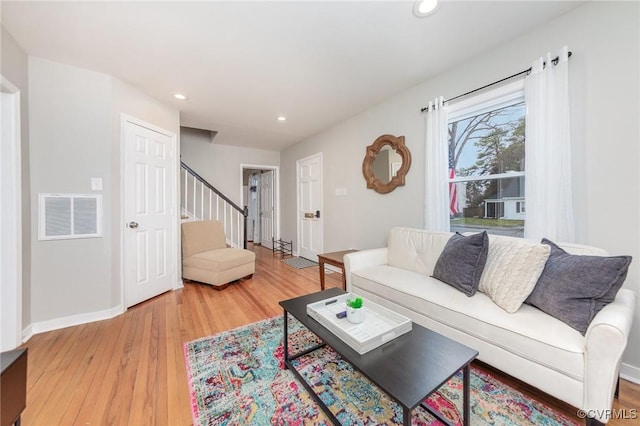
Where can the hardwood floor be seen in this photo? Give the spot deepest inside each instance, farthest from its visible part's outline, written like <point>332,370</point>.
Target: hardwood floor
<point>130,370</point>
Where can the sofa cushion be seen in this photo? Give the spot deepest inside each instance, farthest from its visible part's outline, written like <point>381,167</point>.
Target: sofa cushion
<point>529,333</point>
<point>582,249</point>
<point>220,260</point>
<point>574,288</point>
<point>512,270</point>
<point>462,261</point>
<point>415,249</point>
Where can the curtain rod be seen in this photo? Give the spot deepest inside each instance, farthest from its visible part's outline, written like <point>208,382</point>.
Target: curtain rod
<point>527,71</point>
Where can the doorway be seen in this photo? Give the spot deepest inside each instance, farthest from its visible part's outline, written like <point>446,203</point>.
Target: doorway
<point>310,218</point>
<point>260,193</point>
<point>10,218</point>
<point>150,210</point>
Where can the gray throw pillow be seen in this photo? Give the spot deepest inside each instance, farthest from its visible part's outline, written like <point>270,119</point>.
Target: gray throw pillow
<point>462,261</point>
<point>575,288</point>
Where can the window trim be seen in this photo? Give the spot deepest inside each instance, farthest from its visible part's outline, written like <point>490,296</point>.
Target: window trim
<point>490,100</point>
<point>487,177</point>
<point>487,101</point>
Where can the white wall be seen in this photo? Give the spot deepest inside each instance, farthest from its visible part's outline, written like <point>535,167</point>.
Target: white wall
<point>220,164</point>
<point>71,134</point>
<point>75,135</point>
<point>604,72</point>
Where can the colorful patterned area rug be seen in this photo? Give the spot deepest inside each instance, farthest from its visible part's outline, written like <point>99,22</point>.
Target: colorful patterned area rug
<point>237,378</point>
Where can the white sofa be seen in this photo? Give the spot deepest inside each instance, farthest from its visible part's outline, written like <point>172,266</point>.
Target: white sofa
<point>528,344</point>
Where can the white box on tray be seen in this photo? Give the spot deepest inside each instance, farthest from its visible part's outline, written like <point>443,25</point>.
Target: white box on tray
<point>380,324</point>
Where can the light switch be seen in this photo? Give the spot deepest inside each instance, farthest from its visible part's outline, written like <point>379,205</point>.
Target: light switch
<point>341,192</point>
<point>96,184</point>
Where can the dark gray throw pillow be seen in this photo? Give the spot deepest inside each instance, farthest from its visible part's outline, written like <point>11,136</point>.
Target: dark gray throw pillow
<point>574,288</point>
<point>462,261</point>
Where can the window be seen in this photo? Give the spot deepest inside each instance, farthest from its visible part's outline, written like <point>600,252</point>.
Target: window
<point>486,162</point>
<point>66,216</point>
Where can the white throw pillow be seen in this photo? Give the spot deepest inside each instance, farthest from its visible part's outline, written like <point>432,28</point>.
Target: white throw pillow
<point>512,270</point>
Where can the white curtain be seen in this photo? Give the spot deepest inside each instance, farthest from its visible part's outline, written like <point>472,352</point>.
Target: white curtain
<point>436,201</point>
<point>549,208</point>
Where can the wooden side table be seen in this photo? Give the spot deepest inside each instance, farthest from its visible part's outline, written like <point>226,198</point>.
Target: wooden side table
<point>336,259</point>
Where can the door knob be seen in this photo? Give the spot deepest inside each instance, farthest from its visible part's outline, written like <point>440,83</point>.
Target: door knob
<point>133,225</point>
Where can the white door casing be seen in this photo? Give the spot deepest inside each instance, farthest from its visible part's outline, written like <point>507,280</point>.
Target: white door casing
<point>309,189</point>
<point>10,219</point>
<point>266,208</point>
<point>150,220</point>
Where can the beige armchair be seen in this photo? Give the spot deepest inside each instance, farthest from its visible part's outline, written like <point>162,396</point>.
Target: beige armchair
<point>207,259</point>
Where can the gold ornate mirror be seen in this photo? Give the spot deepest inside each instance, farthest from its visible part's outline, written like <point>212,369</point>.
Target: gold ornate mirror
<point>386,163</point>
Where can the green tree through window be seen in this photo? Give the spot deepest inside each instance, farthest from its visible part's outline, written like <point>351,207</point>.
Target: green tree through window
<point>486,161</point>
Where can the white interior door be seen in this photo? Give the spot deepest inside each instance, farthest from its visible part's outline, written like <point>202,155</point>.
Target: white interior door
<point>266,208</point>
<point>310,206</point>
<point>149,212</point>
<point>10,220</point>
<point>255,208</point>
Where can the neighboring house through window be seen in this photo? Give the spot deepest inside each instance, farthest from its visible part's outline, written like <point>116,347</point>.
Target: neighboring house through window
<point>486,162</point>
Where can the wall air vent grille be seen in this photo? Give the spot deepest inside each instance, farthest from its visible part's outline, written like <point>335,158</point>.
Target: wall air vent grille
<point>67,216</point>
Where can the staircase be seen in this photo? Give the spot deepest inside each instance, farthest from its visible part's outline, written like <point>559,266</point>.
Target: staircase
<point>199,200</point>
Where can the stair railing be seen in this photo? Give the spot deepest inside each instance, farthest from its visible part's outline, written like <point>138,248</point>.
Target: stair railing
<point>200,201</point>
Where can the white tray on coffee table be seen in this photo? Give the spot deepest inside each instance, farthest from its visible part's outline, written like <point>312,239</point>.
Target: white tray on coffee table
<point>380,324</point>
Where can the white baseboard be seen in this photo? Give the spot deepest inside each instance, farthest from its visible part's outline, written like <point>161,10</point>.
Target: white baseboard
<point>58,323</point>
<point>630,373</point>
<point>27,333</point>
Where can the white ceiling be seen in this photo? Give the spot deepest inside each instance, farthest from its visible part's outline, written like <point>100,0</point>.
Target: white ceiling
<point>244,63</point>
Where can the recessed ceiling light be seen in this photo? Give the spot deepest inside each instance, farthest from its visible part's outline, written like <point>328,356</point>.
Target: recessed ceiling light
<point>424,7</point>
<point>180,96</point>
<point>282,118</point>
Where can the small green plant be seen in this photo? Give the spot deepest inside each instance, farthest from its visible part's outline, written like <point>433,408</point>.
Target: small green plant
<point>355,303</point>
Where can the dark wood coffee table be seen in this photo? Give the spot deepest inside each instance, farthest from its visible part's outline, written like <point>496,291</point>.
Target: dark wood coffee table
<point>408,368</point>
